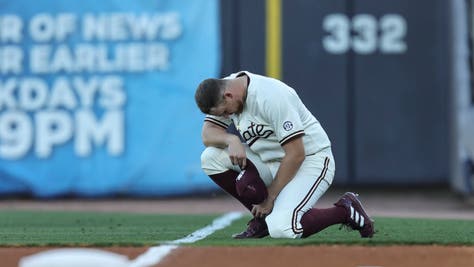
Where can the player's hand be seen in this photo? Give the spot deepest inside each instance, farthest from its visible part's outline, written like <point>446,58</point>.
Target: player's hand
<point>263,209</point>
<point>237,153</point>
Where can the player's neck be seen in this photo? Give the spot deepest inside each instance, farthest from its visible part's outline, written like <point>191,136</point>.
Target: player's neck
<point>243,86</point>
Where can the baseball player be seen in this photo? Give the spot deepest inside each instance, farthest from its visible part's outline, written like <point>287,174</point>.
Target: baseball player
<point>285,163</point>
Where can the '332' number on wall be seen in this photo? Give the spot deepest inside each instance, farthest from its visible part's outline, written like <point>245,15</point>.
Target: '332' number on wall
<point>364,34</point>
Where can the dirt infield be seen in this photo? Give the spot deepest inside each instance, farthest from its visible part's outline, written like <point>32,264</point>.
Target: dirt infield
<point>348,256</point>
<point>425,204</point>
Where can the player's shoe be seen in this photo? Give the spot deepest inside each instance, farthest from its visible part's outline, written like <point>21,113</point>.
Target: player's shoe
<point>357,218</point>
<point>256,228</point>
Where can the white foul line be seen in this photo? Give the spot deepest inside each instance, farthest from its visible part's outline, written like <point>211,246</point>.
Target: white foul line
<point>155,254</point>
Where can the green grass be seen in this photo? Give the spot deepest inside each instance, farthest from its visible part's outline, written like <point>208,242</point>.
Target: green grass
<point>23,228</point>
<point>390,231</point>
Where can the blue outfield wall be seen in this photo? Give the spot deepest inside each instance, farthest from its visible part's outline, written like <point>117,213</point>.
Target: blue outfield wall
<point>97,97</point>
<point>375,73</point>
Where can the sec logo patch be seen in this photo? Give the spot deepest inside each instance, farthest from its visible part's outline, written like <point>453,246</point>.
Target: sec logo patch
<point>287,125</point>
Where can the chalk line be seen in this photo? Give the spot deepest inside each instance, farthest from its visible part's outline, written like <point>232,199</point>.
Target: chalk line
<point>155,254</point>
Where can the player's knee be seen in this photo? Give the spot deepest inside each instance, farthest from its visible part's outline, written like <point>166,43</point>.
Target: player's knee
<point>209,154</point>
<point>277,228</point>
<point>211,160</point>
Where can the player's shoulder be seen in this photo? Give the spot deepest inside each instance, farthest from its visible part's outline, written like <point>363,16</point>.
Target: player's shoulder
<point>237,74</point>
<point>263,87</point>
<point>251,75</point>
<point>270,88</point>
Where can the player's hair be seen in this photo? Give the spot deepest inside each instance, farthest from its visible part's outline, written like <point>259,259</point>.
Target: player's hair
<point>209,94</point>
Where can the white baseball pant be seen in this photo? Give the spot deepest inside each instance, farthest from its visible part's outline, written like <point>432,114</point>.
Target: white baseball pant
<point>310,182</point>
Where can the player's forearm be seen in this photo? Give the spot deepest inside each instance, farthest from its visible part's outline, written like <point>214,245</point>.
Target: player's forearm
<point>217,137</point>
<point>289,166</point>
<point>220,140</point>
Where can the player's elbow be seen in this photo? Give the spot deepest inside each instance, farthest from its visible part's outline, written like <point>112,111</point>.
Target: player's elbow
<point>206,142</point>
<point>211,141</point>
<point>296,155</point>
<point>298,158</point>
<point>294,150</point>
<point>205,139</point>
<point>301,157</point>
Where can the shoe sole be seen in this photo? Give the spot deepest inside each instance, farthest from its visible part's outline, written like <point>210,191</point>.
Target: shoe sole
<point>237,236</point>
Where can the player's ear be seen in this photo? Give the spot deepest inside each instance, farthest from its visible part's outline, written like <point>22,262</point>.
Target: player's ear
<point>228,94</point>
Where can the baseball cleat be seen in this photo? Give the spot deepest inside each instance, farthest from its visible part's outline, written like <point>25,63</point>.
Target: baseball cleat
<point>256,228</point>
<point>357,218</point>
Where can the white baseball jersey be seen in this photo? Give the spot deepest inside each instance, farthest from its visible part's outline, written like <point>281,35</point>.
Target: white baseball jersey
<point>272,115</point>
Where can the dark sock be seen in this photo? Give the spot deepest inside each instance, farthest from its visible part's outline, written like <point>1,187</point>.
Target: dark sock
<point>226,181</point>
<point>315,220</point>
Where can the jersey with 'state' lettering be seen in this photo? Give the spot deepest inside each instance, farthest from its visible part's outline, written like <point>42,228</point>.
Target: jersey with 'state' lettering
<point>273,114</point>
